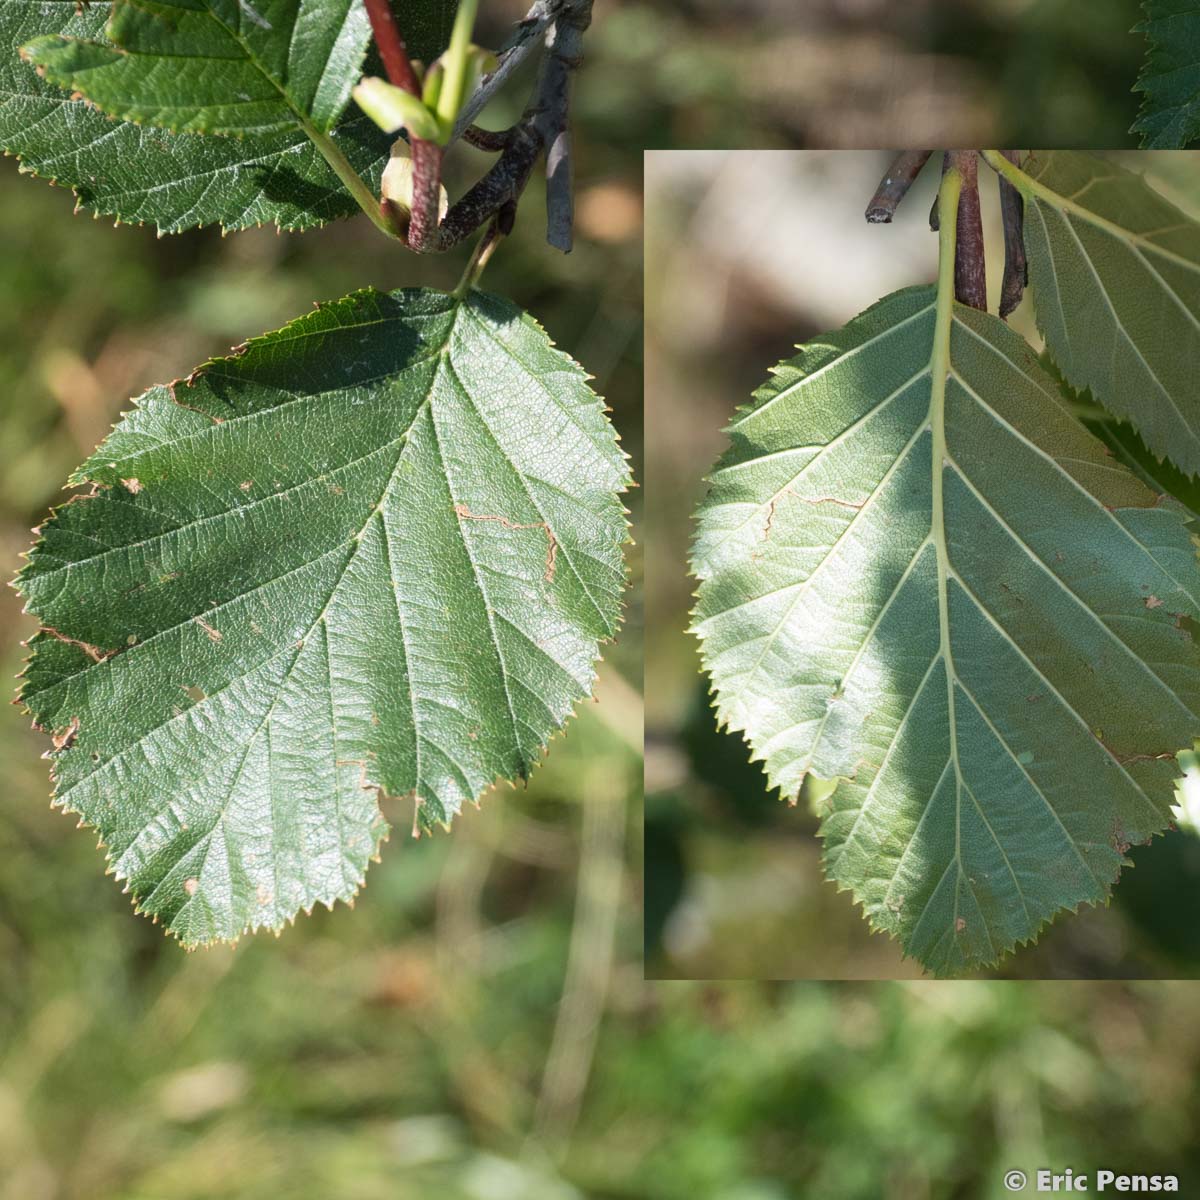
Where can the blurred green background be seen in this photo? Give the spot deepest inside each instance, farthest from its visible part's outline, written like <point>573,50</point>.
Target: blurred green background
<point>870,73</point>
<point>479,1028</point>
<point>752,253</point>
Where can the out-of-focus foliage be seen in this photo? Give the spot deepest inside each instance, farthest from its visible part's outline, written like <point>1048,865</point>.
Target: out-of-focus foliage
<point>734,882</point>
<point>759,73</point>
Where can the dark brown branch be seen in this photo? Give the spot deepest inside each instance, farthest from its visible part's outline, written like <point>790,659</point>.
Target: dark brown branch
<point>542,128</point>
<point>970,271</point>
<point>392,49</point>
<point>1016,266</point>
<point>893,187</point>
<point>564,52</point>
<point>491,140</point>
<point>499,189</point>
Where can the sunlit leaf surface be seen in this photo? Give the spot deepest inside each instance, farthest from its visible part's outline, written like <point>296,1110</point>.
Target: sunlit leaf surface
<point>922,576</point>
<point>376,550</point>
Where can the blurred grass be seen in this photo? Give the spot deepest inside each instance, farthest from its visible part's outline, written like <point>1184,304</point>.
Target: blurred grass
<point>754,252</point>
<point>400,1051</point>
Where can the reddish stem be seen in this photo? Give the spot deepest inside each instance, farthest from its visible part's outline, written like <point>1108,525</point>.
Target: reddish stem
<point>426,156</point>
<point>391,46</point>
<point>970,276</point>
<point>427,176</point>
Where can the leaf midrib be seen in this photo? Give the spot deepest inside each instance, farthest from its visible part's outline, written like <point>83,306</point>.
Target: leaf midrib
<point>355,539</point>
<point>944,654</point>
<point>312,131</point>
<point>939,372</point>
<point>936,414</point>
<point>302,118</point>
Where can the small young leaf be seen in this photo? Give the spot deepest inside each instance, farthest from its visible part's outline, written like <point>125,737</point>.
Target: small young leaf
<point>1170,78</point>
<point>922,577</point>
<point>392,109</point>
<point>175,182</point>
<point>216,66</point>
<point>1115,274</point>
<point>377,549</point>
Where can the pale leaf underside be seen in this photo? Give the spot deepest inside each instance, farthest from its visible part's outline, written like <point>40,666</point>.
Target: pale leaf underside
<point>936,586</point>
<point>378,549</point>
<point>1115,274</point>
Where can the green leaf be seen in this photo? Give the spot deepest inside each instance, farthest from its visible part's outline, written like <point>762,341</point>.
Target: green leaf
<point>175,182</point>
<point>216,66</point>
<point>1129,450</point>
<point>1170,78</point>
<point>377,549</point>
<point>922,577</point>
<point>1115,274</point>
<point>1125,446</point>
<point>392,108</point>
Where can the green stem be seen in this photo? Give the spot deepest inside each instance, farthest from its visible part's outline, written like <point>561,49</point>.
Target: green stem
<point>329,151</point>
<point>450,98</point>
<point>1034,190</point>
<point>355,184</point>
<point>948,193</point>
<point>1005,169</point>
<point>939,370</point>
<point>479,259</point>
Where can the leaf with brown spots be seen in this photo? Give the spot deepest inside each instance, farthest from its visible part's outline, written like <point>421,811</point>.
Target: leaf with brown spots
<point>413,604</point>
<point>976,644</point>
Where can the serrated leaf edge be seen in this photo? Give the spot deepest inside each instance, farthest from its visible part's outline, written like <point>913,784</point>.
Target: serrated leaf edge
<point>760,397</point>
<point>349,898</point>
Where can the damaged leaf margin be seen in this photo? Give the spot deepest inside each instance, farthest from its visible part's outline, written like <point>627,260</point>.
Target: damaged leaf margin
<point>304,612</point>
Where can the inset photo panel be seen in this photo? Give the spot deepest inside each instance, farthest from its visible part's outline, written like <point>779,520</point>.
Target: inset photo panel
<point>922,583</point>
